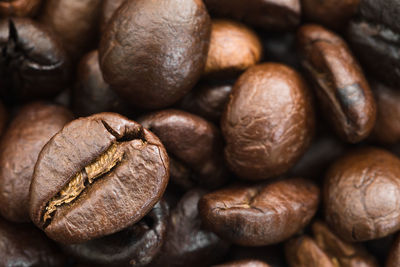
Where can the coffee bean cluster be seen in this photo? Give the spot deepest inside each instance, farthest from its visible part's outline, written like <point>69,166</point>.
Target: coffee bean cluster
<point>239,133</point>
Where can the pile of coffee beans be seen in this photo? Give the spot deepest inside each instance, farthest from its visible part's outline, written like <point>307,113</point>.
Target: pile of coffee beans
<point>241,133</point>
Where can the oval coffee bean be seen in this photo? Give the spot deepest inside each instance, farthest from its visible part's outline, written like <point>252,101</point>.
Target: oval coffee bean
<point>268,14</point>
<point>91,94</point>
<point>20,145</point>
<point>233,49</point>
<point>187,242</point>
<point>19,8</point>
<point>244,263</point>
<point>207,100</point>
<point>362,195</point>
<point>95,177</point>
<point>25,245</point>
<point>268,122</point>
<point>338,81</point>
<point>387,127</point>
<point>152,53</point>
<point>261,214</point>
<point>136,245</point>
<point>33,62</point>
<point>75,23</point>
<point>194,146</point>
<point>331,13</point>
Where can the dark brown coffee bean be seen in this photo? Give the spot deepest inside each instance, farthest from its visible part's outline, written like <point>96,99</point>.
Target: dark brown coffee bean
<point>375,38</point>
<point>233,48</point>
<point>362,195</point>
<point>75,22</point>
<point>393,259</point>
<point>136,245</point>
<point>268,122</point>
<point>97,176</point>
<point>326,249</point>
<point>261,214</point>
<point>322,152</point>
<point>339,82</point>
<point>33,62</point>
<point>20,145</point>
<point>91,93</point>
<point>187,242</point>
<point>108,9</point>
<point>207,100</point>
<point>25,245</point>
<point>387,127</point>
<point>244,263</point>
<point>268,14</point>
<point>152,53</point>
<point>330,13</point>
<point>194,146</point>
<point>19,8</point>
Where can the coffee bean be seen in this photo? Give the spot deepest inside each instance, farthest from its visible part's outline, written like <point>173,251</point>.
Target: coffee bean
<point>136,245</point>
<point>361,195</point>
<point>268,122</point>
<point>375,38</point>
<point>339,82</point>
<point>387,127</point>
<point>164,44</point>
<point>187,242</point>
<point>32,63</point>
<point>260,215</point>
<point>207,100</point>
<point>97,176</point>
<point>326,249</point>
<point>19,8</point>
<point>91,93</point>
<point>331,13</point>
<point>268,14</point>
<point>194,146</point>
<point>25,245</point>
<point>28,132</point>
<point>75,23</point>
<point>233,49</point>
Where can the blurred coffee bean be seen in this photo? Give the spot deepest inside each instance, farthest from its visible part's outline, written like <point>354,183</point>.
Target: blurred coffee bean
<point>244,263</point>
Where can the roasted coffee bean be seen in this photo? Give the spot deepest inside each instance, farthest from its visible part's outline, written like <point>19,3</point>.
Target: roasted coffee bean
<point>32,63</point>
<point>260,215</point>
<point>273,254</point>
<point>187,242</point>
<point>331,13</point>
<point>387,127</point>
<point>20,145</point>
<point>152,53</point>
<point>91,93</point>
<point>19,8</point>
<point>326,249</point>
<point>394,254</point>
<point>233,49</point>
<point>194,146</point>
<point>207,100</point>
<point>268,14</point>
<point>322,152</point>
<point>95,177</point>
<point>362,195</point>
<point>375,38</point>
<point>136,245</point>
<point>75,22</point>
<point>268,122</point>
<point>339,82</point>
<point>108,9</point>
<point>25,245</point>
<point>244,263</point>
